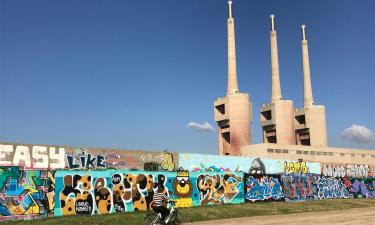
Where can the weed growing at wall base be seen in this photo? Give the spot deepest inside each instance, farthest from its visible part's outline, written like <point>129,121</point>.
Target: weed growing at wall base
<point>204,213</point>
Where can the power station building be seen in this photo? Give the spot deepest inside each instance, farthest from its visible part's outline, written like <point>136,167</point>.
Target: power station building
<point>288,133</point>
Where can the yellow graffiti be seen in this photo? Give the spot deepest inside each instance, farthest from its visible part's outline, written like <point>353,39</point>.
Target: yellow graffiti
<point>184,202</point>
<point>167,162</point>
<point>295,167</point>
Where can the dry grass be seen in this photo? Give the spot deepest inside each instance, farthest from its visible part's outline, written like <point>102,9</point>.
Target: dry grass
<point>210,212</point>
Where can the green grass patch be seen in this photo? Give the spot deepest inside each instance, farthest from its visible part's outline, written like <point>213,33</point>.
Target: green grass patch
<point>209,212</point>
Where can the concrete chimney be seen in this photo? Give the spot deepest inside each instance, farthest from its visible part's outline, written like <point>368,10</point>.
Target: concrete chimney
<point>276,88</point>
<point>232,70</point>
<point>307,90</point>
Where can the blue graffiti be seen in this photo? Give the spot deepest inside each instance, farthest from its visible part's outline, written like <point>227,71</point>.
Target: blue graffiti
<point>263,188</point>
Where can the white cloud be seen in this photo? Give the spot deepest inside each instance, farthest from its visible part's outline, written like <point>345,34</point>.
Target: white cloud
<point>358,134</point>
<point>202,127</point>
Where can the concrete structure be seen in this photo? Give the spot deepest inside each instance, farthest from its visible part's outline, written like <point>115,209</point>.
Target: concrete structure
<point>310,153</point>
<point>232,112</point>
<point>277,118</point>
<point>310,121</point>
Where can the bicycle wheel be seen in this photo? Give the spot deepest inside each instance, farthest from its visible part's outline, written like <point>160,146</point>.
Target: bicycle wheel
<point>151,219</point>
<point>180,219</point>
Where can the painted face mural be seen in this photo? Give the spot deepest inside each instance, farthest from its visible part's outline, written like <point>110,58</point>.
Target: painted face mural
<point>257,167</point>
<point>26,193</point>
<point>183,189</point>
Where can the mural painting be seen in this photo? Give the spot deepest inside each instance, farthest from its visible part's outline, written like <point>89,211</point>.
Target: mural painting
<point>361,187</point>
<point>109,191</point>
<point>217,189</point>
<point>349,170</point>
<point>262,188</point>
<point>217,163</point>
<point>298,187</point>
<point>26,193</point>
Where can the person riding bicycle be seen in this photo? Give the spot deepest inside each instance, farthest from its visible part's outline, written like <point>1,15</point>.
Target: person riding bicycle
<point>159,198</point>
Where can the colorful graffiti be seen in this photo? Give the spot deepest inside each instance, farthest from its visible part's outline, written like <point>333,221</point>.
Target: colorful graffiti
<point>101,181</point>
<point>299,187</point>
<point>32,157</point>
<point>26,193</point>
<point>361,188</point>
<point>330,187</point>
<point>350,170</point>
<point>262,188</point>
<point>85,160</point>
<point>217,163</point>
<point>296,167</point>
<point>216,189</point>
<point>109,191</point>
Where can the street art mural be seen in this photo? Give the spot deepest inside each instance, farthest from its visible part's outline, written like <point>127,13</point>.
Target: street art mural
<point>262,188</point>
<point>216,163</point>
<point>39,181</point>
<point>26,193</point>
<point>361,187</point>
<point>217,189</point>
<point>298,187</point>
<point>349,170</point>
<point>110,191</point>
<point>52,157</point>
<point>32,157</point>
<point>331,187</point>
<point>296,167</point>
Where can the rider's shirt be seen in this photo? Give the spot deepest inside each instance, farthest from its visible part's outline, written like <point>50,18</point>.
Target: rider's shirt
<point>158,199</point>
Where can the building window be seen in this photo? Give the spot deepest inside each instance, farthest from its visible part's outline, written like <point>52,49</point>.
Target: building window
<point>325,153</point>
<point>330,153</point>
<point>299,152</point>
<point>270,150</point>
<point>363,155</point>
<point>342,154</point>
<point>353,155</point>
<point>312,153</point>
<point>305,152</point>
<point>277,150</point>
<point>318,153</point>
<point>286,151</point>
<point>373,156</point>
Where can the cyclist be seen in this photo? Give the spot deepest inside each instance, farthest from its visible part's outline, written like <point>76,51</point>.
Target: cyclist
<point>159,198</point>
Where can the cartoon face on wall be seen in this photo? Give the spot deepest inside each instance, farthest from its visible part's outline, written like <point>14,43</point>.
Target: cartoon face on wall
<point>183,189</point>
<point>257,167</point>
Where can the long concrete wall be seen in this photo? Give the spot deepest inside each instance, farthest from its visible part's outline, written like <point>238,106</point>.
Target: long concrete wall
<point>41,181</point>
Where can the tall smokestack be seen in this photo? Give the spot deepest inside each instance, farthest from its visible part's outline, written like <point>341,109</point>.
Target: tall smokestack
<point>307,90</point>
<point>276,89</point>
<point>232,70</point>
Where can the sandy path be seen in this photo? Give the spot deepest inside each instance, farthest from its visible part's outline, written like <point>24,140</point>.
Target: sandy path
<point>362,216</point>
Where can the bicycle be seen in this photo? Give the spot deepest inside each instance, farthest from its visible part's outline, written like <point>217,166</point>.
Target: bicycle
<point>174,218</point>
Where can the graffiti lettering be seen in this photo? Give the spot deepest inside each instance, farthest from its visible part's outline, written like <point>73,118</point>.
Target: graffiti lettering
<point>86,161</point>
<point>357,170</point>
<point>295,167</point>
<point>25,192</point>
<point>40,157</point>
<point>263,188</point>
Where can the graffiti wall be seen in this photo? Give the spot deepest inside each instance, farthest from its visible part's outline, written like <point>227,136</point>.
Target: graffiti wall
<point>201,162</point>
<point>39,181</point>
<point>347,170</point>
<point>54,157</point>
<point>26,193</point>
<point>263,188</point>
<point>110,191</point>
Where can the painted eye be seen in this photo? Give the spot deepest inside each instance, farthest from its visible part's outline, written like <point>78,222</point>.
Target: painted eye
<point>179,178</point>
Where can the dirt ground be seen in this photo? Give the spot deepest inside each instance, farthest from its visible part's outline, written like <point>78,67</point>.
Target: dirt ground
<point>356,216</point>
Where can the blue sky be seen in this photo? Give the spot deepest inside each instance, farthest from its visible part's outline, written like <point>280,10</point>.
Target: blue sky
<point>133,74</point>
